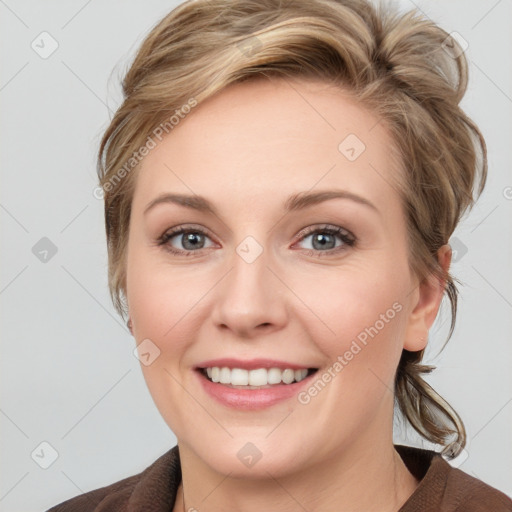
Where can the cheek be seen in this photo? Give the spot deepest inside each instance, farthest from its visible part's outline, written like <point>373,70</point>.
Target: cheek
<point>164,305</point>
<point>335,306</point>
<point>360,330</point>
<point>353,303</point>
<point>159,305</point>
<point>166,302</point>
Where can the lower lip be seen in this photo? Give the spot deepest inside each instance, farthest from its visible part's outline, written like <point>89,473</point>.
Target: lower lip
<point>251,399</point>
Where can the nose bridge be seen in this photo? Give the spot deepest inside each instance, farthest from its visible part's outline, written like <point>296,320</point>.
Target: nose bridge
<point>249,296</point>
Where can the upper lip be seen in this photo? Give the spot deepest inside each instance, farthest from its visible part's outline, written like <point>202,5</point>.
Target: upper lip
<point>251,364</point>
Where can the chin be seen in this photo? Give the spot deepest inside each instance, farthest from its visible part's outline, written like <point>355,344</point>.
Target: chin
<point>251,456</point>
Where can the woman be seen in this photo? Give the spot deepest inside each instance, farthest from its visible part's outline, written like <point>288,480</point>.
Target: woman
<point>281,182</point>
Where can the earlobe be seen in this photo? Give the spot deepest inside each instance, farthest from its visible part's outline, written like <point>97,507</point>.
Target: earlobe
<point>429,295</point>
<point>129,325</point>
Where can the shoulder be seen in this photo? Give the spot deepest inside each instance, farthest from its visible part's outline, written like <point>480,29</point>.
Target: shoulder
<point>470,494</point>
<point>447,489</point>
<point>157,484</point>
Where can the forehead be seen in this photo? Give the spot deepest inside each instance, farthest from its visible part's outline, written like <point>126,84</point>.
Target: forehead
<point>265,139</point>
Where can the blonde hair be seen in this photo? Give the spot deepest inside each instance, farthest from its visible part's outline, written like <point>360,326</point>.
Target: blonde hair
<point>401,66</point>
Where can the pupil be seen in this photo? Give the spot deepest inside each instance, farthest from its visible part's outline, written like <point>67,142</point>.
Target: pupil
<point>321,239</point>
<point>193,239</point>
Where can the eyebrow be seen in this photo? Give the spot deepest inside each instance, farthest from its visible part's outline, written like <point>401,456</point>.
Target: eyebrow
<point>295,202</point>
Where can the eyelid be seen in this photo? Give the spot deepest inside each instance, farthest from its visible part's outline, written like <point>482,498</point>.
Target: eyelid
<point>170,232</point>
<point>347,238</point>
<point>324,227</point>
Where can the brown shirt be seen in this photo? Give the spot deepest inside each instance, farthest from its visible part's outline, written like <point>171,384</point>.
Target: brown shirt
<point>442,488</point>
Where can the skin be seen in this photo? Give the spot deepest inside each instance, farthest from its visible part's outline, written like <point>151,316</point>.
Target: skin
<point>296,302</point>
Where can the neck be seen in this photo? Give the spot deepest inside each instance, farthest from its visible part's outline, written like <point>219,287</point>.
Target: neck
<point>365,476</point>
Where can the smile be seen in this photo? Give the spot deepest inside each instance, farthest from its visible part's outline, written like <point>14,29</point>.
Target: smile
<point>256,378</point>
<point>254,384</point>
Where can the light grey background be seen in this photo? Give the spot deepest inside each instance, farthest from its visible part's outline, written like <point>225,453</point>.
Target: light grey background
<point>69,377</point>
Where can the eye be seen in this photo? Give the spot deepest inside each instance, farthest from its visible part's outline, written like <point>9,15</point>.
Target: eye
<point>184,240</point>
<point>327,239</point>
<point>187,240</point>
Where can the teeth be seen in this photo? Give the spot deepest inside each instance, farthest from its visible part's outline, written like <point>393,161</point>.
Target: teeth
<point>288,376</point>
<point>239,377</point>
<point>258,377</point>
<point>299,374</point>
<point>225,376</point>
<point>274,376</point>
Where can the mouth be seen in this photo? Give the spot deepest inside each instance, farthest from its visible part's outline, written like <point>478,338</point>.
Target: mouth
<point>256,378</point>
<point>252,384</point>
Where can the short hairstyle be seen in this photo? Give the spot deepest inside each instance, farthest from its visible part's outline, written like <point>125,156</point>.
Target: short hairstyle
<point>402,67</point>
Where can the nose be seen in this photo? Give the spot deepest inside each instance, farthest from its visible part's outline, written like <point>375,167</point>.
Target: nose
<point>250,300</point>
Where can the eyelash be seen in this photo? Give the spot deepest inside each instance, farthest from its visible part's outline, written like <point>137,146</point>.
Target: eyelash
<point>348,239</point>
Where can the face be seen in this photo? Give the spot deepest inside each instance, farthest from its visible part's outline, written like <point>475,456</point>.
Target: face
<point>265,273</point>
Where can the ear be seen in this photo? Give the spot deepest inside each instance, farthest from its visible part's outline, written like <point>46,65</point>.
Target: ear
<point>427,299</point>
